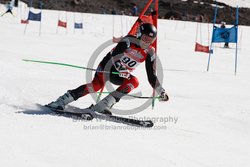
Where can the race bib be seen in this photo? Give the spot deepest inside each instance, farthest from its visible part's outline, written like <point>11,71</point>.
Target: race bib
<point>129,62</point>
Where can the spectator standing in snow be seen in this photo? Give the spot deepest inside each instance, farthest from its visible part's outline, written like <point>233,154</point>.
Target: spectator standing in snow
<point>9,9</point>
<point>134,10</point>
<point>223,25</point>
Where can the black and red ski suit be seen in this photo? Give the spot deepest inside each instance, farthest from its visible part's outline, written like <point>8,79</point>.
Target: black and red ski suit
<point>130,54</point>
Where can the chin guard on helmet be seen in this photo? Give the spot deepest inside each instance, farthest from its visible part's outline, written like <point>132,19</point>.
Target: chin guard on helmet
<point>147,32</point>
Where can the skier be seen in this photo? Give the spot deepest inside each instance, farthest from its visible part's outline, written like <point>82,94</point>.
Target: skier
<point>223,25</point>
<point>124,58</point>
<point>9,9</point>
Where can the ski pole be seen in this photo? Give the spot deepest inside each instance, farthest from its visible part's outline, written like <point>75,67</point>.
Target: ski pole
<point>86,68</point>
<point>68,65</point>
<point>139,97</point>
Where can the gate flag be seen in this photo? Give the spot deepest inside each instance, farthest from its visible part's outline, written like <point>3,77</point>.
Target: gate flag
<point>78,26</point>
<point>35,17</point>
<point>229,35</point>
<point>225,35</point>
<point>201,48</point>
<point>62,24</point>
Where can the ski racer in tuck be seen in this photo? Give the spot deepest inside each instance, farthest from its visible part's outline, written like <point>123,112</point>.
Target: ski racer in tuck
<point>124,58</point>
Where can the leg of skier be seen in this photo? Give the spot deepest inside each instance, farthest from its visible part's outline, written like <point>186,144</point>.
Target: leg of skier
<point>72,95</point>
<point>128,84</point>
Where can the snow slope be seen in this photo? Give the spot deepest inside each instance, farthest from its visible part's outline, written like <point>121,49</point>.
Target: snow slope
<point>205,123</point>
<point>234,3</point>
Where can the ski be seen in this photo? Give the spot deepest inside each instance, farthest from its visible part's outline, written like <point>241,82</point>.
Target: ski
<point>136,122</point>
<point>88,114</point>
<point>124,120</point>
<point>82,114</point>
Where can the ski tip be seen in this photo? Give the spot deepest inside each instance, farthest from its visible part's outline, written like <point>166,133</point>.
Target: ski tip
<point>147,124</point>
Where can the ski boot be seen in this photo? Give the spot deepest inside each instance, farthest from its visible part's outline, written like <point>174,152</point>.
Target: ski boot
<point>105,105</point>
<point>61,102</point>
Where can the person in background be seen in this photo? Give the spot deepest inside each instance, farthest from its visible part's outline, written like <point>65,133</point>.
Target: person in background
<point>9,9</point>
<point>113,11</point>
<point>134,10</point>
<point>103,10</point>
<point>223,25</point>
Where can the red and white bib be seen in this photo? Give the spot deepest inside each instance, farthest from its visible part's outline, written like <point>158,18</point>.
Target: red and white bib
<point>133,56</point>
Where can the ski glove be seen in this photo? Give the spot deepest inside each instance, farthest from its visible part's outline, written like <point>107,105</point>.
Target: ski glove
<point>123,71</point>
<point>163,96</point>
